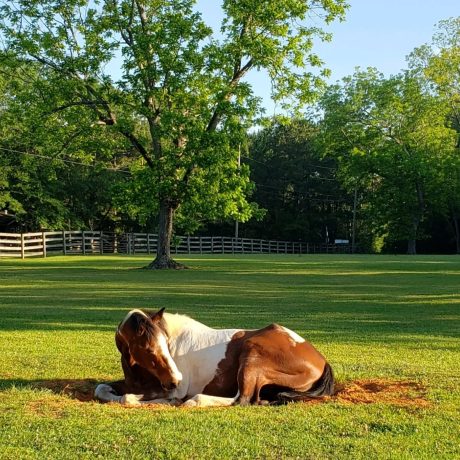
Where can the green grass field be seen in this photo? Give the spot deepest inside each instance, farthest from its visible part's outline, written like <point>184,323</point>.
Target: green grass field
<point>376,318</point>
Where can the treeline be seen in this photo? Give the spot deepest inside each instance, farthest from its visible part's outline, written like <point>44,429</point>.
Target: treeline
<point>378,163</point>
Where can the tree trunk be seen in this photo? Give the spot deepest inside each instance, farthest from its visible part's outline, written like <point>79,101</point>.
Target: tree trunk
<point>417,218</point>
<point>163,259</point>
<point>412,247</point>
<point>457,233</point>
<point>412,241</point>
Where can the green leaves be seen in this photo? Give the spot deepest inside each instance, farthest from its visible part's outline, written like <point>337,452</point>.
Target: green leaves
<point>392,142</point>
<point>177,100</point>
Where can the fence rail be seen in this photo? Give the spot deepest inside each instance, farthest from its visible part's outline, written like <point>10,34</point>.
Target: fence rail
<point>88,242</point>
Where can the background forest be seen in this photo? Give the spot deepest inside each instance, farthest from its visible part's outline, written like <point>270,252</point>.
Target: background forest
<point>375,159</point>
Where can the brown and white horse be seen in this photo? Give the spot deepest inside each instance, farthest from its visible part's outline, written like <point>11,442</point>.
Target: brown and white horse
<point>170,358</point>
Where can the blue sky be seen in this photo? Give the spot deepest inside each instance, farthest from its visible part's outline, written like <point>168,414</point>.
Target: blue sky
<point>375,33</point>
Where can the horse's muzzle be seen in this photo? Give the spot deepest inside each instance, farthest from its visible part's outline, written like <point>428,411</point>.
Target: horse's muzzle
<point>170,385</point>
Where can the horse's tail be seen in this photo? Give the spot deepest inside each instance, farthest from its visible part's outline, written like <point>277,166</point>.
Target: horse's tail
<point>324,386</point>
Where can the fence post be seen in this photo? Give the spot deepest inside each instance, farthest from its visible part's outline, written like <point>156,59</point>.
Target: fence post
<point>101,243</point>
<point>44,244</point>
<point>64,244</point>
<point>83,241</point>
<point>23,255</point>
<point>148,243</point>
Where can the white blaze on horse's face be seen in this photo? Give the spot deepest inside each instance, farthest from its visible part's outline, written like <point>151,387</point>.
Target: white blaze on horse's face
<point>152,353</point>
<point>175,373</point>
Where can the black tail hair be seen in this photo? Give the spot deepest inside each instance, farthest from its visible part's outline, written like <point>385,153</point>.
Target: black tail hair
<point>324,386</point>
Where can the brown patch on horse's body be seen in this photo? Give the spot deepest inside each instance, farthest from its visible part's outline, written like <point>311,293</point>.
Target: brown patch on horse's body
<point>265,357</point>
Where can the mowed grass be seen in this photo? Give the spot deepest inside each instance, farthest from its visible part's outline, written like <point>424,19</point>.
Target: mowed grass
<point>374,317</point>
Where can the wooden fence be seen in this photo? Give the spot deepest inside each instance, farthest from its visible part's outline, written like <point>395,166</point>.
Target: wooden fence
<point>84,243</point>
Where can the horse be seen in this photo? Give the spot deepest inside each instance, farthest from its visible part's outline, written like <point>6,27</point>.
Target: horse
<point>173,359</point>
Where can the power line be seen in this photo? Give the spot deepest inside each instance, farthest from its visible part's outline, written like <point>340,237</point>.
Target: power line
<point>330,168</point>
<point>327,198</point>
<point>65,160</point>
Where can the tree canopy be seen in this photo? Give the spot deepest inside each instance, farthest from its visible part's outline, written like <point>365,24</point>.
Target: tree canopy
<point>179,97</point>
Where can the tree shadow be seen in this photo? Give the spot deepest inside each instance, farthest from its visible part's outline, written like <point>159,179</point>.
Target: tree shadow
<point>79,389</point>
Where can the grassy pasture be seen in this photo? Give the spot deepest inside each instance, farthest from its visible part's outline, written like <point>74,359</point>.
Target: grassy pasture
<point>375,318</point>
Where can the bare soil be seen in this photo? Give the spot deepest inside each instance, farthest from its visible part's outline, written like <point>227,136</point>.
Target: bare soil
<point>367,391</point>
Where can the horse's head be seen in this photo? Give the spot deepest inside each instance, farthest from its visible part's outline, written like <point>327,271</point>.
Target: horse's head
<point>147,343</point>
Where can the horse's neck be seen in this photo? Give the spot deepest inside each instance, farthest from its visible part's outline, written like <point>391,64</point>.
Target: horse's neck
<point>176,324</point>
<point>186,334</point>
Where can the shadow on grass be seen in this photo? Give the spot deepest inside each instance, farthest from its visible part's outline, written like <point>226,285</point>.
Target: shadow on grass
<point>80,389</point>
<point>364,391</point>
<point>390,325</point>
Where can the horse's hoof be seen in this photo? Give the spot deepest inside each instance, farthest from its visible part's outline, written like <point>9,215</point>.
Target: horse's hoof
<point>132,400</point>
<point>242,401</point>
<point>190,403</point>
<point>263,402</point>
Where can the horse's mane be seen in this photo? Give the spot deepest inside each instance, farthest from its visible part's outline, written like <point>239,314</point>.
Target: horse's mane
<point>171,324</point>
<point>139,321</point>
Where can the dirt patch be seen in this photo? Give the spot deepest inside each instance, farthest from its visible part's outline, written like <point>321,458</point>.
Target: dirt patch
<point>46,408</point>
<point>83,390</point>
<point>399,393</point>
<point>370,391</point>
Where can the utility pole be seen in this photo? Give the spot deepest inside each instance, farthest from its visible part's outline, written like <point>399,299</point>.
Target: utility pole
<point>353,229</point>
<point>239,167</point>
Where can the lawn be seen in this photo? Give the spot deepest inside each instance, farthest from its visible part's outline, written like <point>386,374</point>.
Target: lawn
<point>383,322</point>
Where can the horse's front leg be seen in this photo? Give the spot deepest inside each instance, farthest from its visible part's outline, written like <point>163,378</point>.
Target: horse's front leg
<point>137,400</point>
<point>201,400</point>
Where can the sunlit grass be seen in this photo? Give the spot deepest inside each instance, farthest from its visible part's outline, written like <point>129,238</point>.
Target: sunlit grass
<point>373,317</point>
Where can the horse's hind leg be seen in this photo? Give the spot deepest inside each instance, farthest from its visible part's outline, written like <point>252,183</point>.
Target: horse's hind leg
<point>250,381</point>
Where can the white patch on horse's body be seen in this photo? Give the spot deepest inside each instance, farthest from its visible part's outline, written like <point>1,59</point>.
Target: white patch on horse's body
<point>293,335</point>
<point>197,350</point>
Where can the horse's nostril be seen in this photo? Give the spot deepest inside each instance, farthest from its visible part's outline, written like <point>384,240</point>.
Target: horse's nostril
<point>169,386</point>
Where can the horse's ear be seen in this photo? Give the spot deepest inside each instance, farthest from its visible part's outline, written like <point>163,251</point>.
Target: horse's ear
<point>156,317</point>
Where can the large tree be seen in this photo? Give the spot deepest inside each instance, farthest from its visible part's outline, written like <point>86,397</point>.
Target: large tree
<point>391,139</point>
<point>153,73</point>
<point>296,186</point>
<point>38,182</point>
<point>439,65</point>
